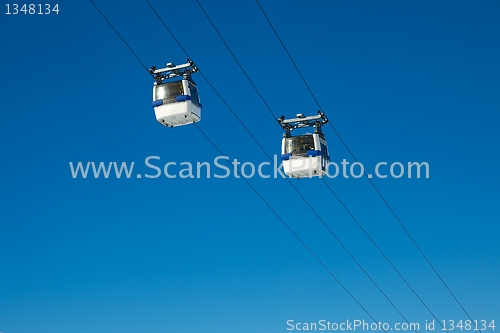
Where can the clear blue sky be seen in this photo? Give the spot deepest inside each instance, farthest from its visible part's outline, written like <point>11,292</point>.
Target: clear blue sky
<point>401,81</point>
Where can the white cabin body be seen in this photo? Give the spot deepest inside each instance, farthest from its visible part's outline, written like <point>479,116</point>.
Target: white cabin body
<point>305,156</point>
<point>176,103</point>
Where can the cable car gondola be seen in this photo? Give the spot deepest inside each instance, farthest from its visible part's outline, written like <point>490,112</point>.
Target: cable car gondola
<point>175,100</point>
<point>304,155</point>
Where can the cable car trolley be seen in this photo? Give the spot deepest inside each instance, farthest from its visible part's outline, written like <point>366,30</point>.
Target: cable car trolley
<point>304,155</point>
<point>175,98</point>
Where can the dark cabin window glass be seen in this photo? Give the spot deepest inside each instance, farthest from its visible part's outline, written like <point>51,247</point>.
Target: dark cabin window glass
<point>169,91</point>
<point>194,94</point>
<point>299,145</point>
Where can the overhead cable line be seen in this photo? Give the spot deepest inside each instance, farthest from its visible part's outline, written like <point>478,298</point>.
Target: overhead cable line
<point>293,233</point>
<point>123,40</point>
<point>236,59</point>
<point>258,194</point>
<point>336,196</point>
<point>265,152</point>
<point>352,155</point>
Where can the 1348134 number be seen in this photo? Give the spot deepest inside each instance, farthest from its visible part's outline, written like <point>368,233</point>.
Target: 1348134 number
<point>31,9</point>
<point>468,325</point>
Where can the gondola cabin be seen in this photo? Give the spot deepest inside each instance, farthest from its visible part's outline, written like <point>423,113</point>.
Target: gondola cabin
<point>304,156</point>
<point>175,97</point>
<point>176,103</point>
